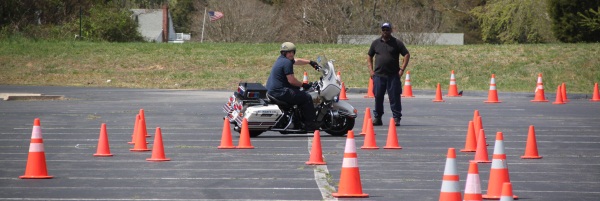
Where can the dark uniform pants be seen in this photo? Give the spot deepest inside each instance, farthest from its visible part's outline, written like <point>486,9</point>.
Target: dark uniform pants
<point>300,98</point>
<point>393,86</point>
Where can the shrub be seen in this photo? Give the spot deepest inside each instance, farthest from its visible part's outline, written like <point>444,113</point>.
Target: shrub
<point>106,23</point>
<point>568,20</point>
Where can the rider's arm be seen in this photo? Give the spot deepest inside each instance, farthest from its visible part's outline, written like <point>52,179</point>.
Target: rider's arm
<point>293,81</point>
<point>301,61</point>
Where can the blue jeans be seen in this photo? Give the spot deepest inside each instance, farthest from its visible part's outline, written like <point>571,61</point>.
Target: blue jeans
<point>393,86</point>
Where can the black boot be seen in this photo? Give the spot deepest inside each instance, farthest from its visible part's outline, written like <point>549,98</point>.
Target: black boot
<point>397,121</point>
<point>377,121</point>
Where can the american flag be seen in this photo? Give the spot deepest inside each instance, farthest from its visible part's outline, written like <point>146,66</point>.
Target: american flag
<point>215,15</point>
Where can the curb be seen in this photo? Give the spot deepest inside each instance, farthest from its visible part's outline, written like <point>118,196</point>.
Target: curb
<point>29,96</point>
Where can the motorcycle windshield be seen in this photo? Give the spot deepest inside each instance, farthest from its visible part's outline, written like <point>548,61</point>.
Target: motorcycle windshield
<point>322,60</point>
<point>324,63</point>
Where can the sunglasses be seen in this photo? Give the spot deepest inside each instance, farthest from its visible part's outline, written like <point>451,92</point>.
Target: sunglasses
<point>386,29</point>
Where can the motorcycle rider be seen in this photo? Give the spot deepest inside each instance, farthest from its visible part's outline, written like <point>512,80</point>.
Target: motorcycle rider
<point>283,86</point>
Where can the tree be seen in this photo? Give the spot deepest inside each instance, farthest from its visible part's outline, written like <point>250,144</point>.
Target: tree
<point>183,12</point>
<point>568,23</point>
<point>592,21</point>
<point>514,21</point>
<point>111,23</point>
<point>456,18</point>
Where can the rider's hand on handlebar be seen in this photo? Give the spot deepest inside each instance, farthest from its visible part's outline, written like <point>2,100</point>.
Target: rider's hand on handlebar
<point>314,65</point>
<point>306,86</point>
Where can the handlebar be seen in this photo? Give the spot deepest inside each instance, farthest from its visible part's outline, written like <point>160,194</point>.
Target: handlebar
<point>317,67</point>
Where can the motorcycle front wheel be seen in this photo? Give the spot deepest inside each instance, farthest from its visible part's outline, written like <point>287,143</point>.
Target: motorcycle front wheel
<point>342,126</point>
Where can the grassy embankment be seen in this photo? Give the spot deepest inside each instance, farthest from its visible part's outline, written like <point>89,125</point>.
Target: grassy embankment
<point>222,65</point>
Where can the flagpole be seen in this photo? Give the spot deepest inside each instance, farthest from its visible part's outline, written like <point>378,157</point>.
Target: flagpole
<point>203,22</point>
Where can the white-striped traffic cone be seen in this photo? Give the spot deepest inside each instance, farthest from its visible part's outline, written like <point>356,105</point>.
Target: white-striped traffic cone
<point>407,92</point>
<point>350,185</point>
<point>305,78</point>
<point>450,187</point>
<point>473,184</point>
<point>36,160</point>
<point>453,89</point>
<point>499,171</point>
<point>507,194</point>
<point>539,91</point>
<point>493,93</point>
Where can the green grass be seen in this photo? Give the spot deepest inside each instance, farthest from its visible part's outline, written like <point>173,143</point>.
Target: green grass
<point>221,66</point>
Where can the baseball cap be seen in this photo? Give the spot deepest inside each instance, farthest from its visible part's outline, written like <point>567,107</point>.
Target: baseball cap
<point>386,25</point>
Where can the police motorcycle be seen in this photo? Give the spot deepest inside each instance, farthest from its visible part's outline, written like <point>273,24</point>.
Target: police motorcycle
<point>265,113</point>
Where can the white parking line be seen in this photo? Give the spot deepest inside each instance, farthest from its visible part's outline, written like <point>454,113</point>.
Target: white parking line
<point>321,175</point>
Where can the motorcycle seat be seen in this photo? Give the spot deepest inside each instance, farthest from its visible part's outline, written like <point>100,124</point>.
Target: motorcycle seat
<point>278,102</point>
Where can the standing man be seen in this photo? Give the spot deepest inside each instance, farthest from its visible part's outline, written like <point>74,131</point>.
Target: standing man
<point>387,72</point>
<point>283,86</point>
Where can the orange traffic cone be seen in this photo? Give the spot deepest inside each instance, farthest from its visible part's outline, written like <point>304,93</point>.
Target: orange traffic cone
<point>135,127</point>
<point>539,91</point>
<point>531,150</point>
<point>36,160</point>
<point>453,89</point>
<point>103,147</point>
<point>473,184</point>
<point>158,150</point>
<point>478,125</point>
<point>226,141</point>
<point>392,138</point>
<point>343,92</point>
<point>305,78</point>
<point>366,121</point>
<point>370,92</point>
<point>369,142</point>
<point>143,122</point>
<point>471,140</point>
<point>563,90</point>
<point>450,187</point>
<point>596,94</point>
<point>507,194</point>
<point>316,153</point>
<point>244,142</point>
<point>481,155</point>
<point>339,76</point>
<point>407,92</point>
<point>438,94</point>
<point>140,139</point>
<point>475,115</point>
<point>499,171</point>
<point>493,93</point>
<point>350,185</point>
<point>559,98</point>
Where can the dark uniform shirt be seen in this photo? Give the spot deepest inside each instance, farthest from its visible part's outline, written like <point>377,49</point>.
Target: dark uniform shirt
<point>387,56</point>
<point>278,79</point>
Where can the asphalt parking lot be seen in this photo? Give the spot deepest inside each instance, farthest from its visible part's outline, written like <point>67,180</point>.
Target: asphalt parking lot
<point>568,138</point>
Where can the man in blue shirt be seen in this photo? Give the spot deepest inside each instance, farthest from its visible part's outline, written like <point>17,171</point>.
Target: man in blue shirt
<point>386,72</point>
<point>283,86</point>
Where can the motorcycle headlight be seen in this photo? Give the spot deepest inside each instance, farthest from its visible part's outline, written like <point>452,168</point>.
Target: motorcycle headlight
<point>336,99</point>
